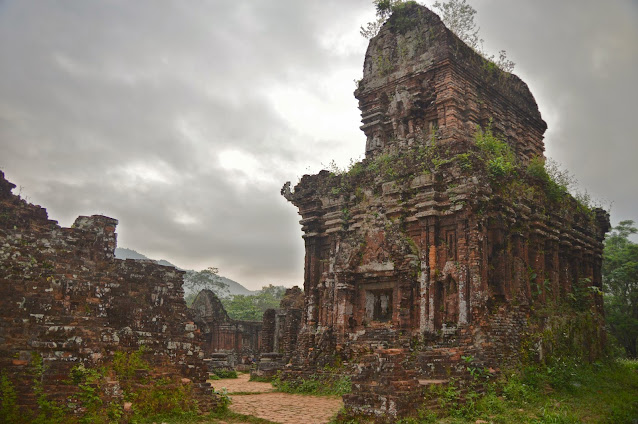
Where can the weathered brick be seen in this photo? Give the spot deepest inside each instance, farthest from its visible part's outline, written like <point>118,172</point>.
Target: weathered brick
<point>70,301</point>
<point>415,255</point>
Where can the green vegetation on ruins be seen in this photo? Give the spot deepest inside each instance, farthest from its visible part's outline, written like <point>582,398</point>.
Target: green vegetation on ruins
<point>489,158</point>
<point>151,399</point>
<point>563,391</point>
<point>458,17</point>
<point>219,373</point>
<point>330,382</point>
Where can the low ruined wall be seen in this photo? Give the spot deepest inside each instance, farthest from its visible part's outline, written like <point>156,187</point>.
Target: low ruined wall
<point>65,298</point>
<point>280,331</point>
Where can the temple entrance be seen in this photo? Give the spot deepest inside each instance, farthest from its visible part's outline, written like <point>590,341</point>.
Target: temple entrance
<point>379,305</point>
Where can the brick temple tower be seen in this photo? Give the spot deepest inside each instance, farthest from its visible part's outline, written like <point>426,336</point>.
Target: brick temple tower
<point>435,246</point>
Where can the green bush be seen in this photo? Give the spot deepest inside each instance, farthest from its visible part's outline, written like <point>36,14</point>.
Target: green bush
<point>9,412</point>
<point>317,384</point>
<point>49,412</point>
<point>565,391</point>
<point>223,373</point>
<point>126,364</point>
<point>496,153</point>
<point>260,379</point>
<point>224,401</point>
<point>93,403</point>
<point>163,397</point>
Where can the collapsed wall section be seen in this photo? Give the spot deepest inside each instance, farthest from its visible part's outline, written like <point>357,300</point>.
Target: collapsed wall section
<point>65,298</point>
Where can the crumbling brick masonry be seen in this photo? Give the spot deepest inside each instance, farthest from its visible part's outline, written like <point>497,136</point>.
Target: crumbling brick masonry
<point>64,297</point>
<point>280,332</point>
<point>439,243</point>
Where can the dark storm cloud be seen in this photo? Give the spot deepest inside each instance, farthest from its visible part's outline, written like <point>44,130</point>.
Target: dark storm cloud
<point>181,118</point>
<point>123,108</point>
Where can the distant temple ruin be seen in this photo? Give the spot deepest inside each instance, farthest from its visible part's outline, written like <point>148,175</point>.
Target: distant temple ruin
<point>438,244</point>
<point>232,342</point>
<point>235,344</point>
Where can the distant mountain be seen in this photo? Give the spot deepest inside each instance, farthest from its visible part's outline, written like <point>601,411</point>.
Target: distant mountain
<point>233,286</point>
<point>124,253</point>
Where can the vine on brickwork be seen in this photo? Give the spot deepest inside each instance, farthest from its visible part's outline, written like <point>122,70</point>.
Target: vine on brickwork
<point>96,399</point>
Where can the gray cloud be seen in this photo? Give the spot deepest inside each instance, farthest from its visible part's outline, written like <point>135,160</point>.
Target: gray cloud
<point>183,119</point>
<point>580,59</point>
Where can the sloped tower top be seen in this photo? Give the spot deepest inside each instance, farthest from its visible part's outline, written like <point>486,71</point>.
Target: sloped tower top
<point>418,77</point>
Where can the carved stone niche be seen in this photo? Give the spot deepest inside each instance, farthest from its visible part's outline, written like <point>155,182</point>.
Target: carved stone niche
<point>376,302</point>
<point>446,303</point>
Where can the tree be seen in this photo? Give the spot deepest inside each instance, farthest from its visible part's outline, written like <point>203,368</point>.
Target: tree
<point>252,307</point>
<point>384,10</point>
<point>457,15</point>
<point>196,281</point>
<point>242,307</point>
<point>620,283</point>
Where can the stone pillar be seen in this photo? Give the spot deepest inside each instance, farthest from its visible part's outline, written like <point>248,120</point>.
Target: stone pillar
<point>103,227</point>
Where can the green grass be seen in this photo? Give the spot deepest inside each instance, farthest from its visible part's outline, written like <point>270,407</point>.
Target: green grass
<point>561,393</point>
<point>212,418</point>
<point>317,385</point>
<point>260,379</point>
<point>222,373</point>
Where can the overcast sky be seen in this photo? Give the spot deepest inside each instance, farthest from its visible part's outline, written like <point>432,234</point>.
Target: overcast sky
<point>184,118</point>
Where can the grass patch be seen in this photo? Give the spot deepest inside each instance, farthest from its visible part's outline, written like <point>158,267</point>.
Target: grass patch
<point>260,379</point>
<point>565,392</point>
<point>327,384</point>
<point>222,373</point>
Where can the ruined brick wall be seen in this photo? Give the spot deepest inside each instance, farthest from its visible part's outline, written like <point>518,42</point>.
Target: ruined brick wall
<point>419,255</point>
<point>240,339</point>
<point>65,297</point>
<point>280,332</point>
<point>269,325</point>
<point>281,326</point>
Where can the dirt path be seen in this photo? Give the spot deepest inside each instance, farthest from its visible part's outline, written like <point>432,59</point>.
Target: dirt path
<point>281,408</point>
<point>241,384</point>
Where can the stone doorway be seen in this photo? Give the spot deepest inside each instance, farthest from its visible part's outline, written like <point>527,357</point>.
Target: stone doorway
<point>379,305</point>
